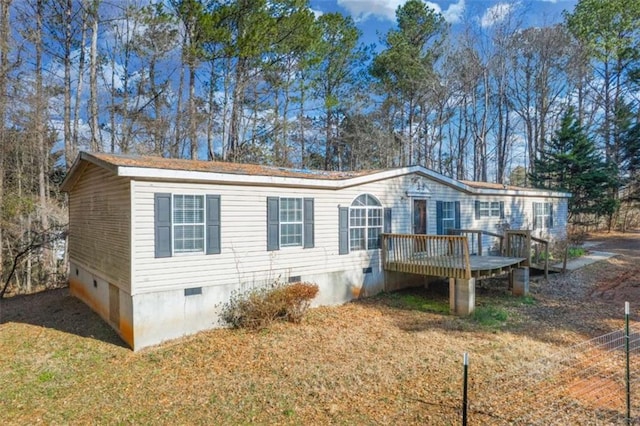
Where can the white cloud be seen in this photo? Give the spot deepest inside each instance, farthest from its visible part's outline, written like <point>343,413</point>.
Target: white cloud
<point>496,14</point>
<point>386,9</point>
<point>453,13</point>
<point>363,9</point>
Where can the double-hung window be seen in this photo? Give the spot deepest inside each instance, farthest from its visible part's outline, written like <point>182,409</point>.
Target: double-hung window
<point>489,209</point>
<point>186,223</point>
<point>290,222</point>
<point>365,223</point>
<point>542,215</point>
<point>447,216</point>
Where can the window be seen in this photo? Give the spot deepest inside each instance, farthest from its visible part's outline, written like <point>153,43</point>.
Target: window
<point>365,223</point>
<point>542,215</point>
<point>188,223</point>
<point>361,223</point>
<point>489,209</point>
<point>290,222</point>
<point>447,216</point>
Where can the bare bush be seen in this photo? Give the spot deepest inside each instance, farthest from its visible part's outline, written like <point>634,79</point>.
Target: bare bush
<point>259,307</point>
<point>576,235</point>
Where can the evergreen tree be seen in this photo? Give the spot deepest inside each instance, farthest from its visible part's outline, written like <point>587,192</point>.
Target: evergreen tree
<point>630,146</point>
<point>570,162</point>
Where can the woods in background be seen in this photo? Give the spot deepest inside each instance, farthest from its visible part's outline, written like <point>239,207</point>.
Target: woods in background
<point>271,82</point>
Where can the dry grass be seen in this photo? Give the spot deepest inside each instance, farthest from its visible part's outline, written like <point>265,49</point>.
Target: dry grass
<point>385,360</point>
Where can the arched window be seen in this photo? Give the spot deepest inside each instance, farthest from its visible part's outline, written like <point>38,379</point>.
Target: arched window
<point>365,223</point>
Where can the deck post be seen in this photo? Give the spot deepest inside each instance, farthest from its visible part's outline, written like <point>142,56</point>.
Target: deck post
<point>462,295</point>
<point>519,280</point>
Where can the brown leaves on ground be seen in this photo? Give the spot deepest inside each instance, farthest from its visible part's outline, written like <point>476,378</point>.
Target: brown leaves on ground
<point>375,361</point>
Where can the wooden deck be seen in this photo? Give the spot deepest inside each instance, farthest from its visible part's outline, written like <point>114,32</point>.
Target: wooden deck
<point>442,256</point>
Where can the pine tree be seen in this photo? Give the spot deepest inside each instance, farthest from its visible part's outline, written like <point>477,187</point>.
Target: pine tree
<point>630,138</point>
<point>571,162</point>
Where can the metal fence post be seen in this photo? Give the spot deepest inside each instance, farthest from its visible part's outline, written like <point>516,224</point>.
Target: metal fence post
<point>627,353</point>
<point>465,361</point>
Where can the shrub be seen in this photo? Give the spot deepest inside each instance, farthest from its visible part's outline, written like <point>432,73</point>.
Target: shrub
<point>575,252</point>
<point>259,307</point>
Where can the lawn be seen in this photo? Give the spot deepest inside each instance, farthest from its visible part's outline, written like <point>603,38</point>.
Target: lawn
<point>392,359</point>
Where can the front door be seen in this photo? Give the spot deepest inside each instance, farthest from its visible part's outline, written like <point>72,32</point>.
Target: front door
<point>419,216</point>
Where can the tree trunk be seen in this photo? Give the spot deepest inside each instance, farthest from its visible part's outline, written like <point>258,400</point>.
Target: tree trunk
<point>236,109</point>
<point>4,68</point>
<point>79,90</point>
<point>174,150</point>
<point>193,121</point>
<point>68,155</point>
<point>43,152</point>
<point>210,116</point>
<point>93,80</point>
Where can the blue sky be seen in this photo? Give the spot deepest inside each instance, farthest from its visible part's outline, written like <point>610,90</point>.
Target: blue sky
<point>375,17</point>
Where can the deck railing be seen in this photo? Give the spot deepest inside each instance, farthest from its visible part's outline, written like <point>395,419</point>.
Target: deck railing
<point>476,236</point>
<point>436,255</point>
<point>519,244</point>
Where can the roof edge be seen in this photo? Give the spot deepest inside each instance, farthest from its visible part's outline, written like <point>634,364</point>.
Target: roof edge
<point>131,171</point>
<point>79,164</point>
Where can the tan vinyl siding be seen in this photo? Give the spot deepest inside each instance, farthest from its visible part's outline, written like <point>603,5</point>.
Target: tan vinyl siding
<point>244,259</point>
<point>99,231</point>
<point>518,214</point>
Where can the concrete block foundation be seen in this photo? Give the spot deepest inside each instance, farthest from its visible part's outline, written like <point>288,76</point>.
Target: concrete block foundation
<point>462,295</point>
<point>519,281</point>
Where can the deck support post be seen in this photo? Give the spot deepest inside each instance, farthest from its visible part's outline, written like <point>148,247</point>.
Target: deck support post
<point>519,281</point>
<point>462,295</point>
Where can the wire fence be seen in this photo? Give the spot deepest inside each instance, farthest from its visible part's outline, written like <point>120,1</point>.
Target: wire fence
<point>592,383</point>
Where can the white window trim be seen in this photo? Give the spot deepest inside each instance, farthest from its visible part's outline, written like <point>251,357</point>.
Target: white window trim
<point>446,219</point>
<point>300,222</point>
<point>174,225</point>
<point>542,220</point>
<point>488,209</point>
<point>367,210</point>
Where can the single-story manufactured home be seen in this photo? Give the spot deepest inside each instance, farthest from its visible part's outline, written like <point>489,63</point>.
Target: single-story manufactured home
<point>157,246</point>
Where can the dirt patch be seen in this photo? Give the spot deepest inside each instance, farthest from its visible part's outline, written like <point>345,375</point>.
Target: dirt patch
<point>619,280</point>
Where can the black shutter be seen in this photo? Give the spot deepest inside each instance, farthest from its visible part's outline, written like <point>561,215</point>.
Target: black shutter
<point>387,225</point>
<point>501,209</point>
<point>213,224</point>
<point>456,206</point>
<point>477,209</point>
<point>535,217</point>
<point>273,223</point>
<point>308,223</point>
<point>387,220</point>
<point>343,230</point>
<point>162,223</point>
<point>439,227</point>
<point>550,215</point>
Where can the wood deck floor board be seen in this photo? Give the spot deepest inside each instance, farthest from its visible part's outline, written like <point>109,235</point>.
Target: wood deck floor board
<point>480,266</point>
<point>480,263</point>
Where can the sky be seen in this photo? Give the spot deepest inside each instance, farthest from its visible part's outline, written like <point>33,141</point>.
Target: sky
<point>375,17</point>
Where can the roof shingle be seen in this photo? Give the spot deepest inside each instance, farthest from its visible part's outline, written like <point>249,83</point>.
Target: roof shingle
<point>222,167</point>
